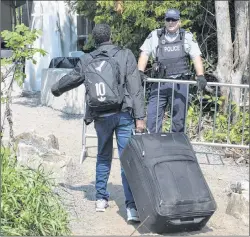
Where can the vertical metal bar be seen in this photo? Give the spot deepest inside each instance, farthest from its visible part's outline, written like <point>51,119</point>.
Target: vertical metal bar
<point>208,161</point>
<point>229,114</point>
<point>244,111</point>
<point>221,159</point>
<point>144,89</point>
<point>144,93</point>
<point>187,99</point>
<point>157,108</point>
<point>172,106</point>
<point>199,125</point>
<point>215,111</point>
<point>84,130</point>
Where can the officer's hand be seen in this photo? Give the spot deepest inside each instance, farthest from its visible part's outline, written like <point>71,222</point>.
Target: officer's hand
<point>201,83</point>
<point>140,125</point>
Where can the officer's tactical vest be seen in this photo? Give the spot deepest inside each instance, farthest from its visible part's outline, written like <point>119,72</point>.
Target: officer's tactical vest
<point>171,56</point>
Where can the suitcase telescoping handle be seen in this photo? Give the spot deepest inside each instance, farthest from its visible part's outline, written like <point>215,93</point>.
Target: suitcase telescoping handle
<point>135,132</point>
<point>195,220</point>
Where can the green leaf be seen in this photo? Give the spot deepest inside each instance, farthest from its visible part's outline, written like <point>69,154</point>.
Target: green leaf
<point>19,40</point>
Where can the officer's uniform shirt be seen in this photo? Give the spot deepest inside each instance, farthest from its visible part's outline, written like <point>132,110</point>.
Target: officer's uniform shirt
<point>190,45</point>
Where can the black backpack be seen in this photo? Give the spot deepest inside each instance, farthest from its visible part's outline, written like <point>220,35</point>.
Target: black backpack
<point>102,81</point>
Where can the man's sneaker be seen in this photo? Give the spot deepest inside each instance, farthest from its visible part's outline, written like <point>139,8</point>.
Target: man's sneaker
<point>132,215</point>
<point>101,205</point>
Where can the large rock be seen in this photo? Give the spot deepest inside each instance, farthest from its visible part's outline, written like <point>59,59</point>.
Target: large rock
<point>238,204</point>
<point>71,102</point>
<point>33,151</point>
<point>31,138</point>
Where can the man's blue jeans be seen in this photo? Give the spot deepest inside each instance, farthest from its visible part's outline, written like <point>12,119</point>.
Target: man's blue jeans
<point>122,124</point>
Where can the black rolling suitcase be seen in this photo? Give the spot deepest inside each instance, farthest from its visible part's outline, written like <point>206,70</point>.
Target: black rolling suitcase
<point>168,186</point>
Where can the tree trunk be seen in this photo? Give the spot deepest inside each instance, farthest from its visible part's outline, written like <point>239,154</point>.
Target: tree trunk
<point>225,47</point>
<point>241,45</point>
<point>232,56</point>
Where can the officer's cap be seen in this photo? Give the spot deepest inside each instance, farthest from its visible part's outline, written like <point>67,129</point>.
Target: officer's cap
<point>172,13</point>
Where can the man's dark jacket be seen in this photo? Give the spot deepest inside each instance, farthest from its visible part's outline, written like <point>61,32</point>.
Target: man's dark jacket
<point>130,78</point>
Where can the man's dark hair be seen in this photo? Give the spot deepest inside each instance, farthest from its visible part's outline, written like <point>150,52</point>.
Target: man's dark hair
<point>101,33</point>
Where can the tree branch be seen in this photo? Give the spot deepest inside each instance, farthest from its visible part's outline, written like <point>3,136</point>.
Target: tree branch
<point>207,38</point>
<point>8,112</point>
<point>208,11</point>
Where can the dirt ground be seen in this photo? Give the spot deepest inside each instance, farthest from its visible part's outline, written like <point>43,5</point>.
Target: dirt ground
<point>79,192</point>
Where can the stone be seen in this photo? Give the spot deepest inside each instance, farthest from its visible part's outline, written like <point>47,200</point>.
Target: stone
<point>239,187</point>
<point>238,203</point>
<point>31,138</point>
<point>53,142</point>
<point>34,151</point>
<point>240,160</point>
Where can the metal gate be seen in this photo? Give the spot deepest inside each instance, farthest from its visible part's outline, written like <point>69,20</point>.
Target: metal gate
<point>241,115</point>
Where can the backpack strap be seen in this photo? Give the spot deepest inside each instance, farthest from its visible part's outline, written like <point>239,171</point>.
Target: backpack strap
<point>95,53</point>
<point>86,60</point>
<point>114,51</point>
<point>182,34</point>
<point>111,53</point>
<point>161,32</point>
<point>182,38</point>
<point>114,62</point>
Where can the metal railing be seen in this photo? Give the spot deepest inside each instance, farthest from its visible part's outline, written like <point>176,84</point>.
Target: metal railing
<point>213,88</point>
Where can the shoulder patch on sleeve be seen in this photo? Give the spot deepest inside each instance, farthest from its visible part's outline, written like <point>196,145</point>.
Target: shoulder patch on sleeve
<point>188,33</point>
<point>149,36</point>
<point>194,39</point>
<point>190,37</point>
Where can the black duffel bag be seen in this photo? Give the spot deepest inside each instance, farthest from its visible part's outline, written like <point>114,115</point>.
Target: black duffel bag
<point>64,62</point>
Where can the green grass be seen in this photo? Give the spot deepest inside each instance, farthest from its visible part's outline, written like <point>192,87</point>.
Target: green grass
<point>28,204</point>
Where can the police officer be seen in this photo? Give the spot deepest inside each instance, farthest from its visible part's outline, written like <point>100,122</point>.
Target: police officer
<point>171,48</point>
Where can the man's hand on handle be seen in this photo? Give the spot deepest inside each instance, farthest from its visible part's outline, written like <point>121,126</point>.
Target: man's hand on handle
<point>143,77</point>
<point>140,125</point>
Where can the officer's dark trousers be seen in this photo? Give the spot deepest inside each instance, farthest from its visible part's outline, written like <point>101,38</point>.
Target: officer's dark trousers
<point>165,98</point>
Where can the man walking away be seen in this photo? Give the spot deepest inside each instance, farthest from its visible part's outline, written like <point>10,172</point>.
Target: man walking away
<point>114,102</point>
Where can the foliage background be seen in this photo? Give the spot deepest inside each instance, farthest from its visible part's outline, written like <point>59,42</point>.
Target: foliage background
<point>132,21</point>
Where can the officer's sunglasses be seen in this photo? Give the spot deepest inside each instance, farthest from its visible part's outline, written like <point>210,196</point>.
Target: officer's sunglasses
<point>171,19</point>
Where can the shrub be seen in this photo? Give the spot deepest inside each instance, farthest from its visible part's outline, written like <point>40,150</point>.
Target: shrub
<point>28,204</point>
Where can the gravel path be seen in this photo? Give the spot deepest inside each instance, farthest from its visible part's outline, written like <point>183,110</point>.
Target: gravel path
<point>79,192</point>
